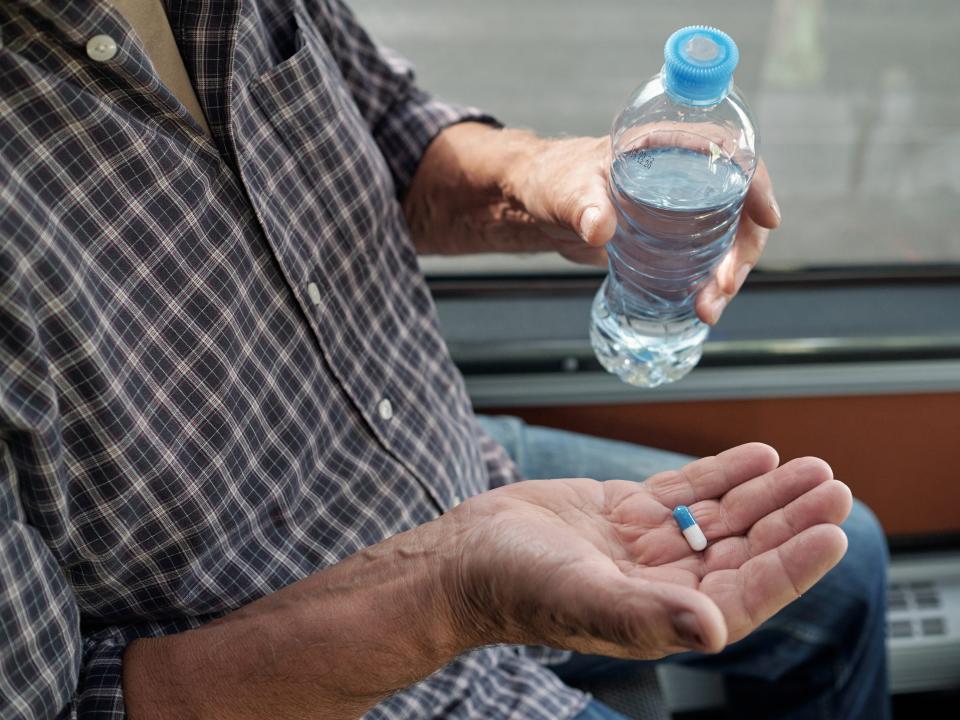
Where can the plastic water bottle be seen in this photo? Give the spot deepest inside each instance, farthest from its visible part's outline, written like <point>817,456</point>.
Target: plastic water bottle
<point>684,152</point>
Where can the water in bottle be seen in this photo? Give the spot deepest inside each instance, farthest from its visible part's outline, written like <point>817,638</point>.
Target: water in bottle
<point>684,152</point>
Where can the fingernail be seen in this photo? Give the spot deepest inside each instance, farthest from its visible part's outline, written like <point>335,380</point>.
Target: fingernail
<point>687,627</point>
<point>742,275</point>
<point>776,208</point>
<point>587,222</point>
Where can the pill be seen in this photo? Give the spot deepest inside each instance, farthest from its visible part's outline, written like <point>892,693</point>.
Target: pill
<point>688,526</point>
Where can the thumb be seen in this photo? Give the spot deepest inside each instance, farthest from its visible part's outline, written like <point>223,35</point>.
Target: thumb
<point>595,218</point>
<point>633,617</point>
<point>697,622</point>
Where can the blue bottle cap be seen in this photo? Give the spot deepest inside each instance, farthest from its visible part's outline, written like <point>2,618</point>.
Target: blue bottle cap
<point>683,516</point>
<point>698,64</point>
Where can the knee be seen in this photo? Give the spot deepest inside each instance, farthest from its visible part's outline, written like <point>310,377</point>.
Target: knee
<point>506,430</point>
<point>847,607</point>
<point>867,541</point>
<point>863,570</point>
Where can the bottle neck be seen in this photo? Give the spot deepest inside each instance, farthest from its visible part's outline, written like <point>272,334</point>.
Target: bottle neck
<point>701,104</point>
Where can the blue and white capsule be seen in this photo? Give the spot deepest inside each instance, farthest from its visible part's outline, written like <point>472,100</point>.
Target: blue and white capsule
<point>688,526</point>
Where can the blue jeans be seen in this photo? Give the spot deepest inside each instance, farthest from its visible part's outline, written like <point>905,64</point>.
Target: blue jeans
<point>822,656</point>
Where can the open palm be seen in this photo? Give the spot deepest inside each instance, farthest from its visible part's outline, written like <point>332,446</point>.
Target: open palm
<point>601,567</point>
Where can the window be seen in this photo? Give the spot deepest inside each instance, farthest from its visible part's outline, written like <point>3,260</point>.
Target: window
<point>858,103</point>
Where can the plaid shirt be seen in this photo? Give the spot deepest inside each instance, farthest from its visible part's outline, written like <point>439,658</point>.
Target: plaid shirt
<point>220,366</point>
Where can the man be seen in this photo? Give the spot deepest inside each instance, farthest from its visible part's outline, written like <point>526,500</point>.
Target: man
<point>240,474</point>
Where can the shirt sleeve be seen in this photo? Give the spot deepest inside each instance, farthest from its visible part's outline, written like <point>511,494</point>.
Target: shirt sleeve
<point>48,669</point>
<point>403,118</point>
<point>501,470</point>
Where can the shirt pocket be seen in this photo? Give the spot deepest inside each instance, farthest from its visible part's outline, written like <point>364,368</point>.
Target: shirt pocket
<point>317,156</point>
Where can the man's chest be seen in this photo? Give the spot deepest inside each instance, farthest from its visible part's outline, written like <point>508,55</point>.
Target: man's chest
<point>238,333</point>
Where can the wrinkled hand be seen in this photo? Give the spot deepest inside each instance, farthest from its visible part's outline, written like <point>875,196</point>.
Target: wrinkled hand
<point>601,567</point>
<point>563,187</point>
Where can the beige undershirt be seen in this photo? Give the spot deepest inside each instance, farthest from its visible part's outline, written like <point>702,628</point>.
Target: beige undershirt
<point>149,19</point>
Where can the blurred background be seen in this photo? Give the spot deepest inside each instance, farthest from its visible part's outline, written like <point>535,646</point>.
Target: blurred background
<point>845,344</point>
<point>857,101</point>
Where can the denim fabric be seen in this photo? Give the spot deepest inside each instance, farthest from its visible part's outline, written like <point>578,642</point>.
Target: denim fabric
<point>823,656</point>
<point>596,710</point>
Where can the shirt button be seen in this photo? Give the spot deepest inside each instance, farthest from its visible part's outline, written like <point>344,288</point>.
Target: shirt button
<point>101,48</point>
<point>457,500</point>
<point>314,292</point>
<point>385,409</point>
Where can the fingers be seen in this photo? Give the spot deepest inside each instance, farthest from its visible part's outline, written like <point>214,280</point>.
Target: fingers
<point>711,302</point>
<point>829,502</point>
<point>711,477</point>
<point>708,139</point>
<point>584,254</point>
<point>741,507</point>
<point>761,214</point>
<point>763,585</point>
<point>751,518</point>
<point>571,246</point>
<point>747,248</point>
<point>733,270</point>
<point>761,204</point>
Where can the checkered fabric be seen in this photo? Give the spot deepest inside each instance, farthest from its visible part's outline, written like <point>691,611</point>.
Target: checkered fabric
<point>220,368</point>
